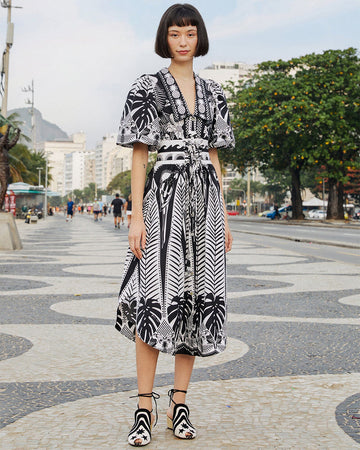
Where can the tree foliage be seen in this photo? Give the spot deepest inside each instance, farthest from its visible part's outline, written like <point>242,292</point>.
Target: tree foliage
<point>121,183</point>
<point>24,165</point>
<point>299,115</point>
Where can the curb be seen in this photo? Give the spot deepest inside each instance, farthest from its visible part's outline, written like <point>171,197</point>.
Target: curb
<point>307,241</point>
<point>305,223</point>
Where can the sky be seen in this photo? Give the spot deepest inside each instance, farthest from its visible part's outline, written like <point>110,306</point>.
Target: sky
<point>83,55</point>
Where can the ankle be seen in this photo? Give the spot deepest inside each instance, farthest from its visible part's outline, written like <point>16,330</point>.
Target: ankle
<point>179,397</point>
<point>145,403</point>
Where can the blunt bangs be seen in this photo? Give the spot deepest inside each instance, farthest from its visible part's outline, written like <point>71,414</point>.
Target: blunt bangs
<point>181,15</point>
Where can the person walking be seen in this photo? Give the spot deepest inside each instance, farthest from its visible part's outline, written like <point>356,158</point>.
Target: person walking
<point>70,208</point>
<point>173,291</point>
<point>96,211</point>
<point>128,209</point>
<point>117,205</point>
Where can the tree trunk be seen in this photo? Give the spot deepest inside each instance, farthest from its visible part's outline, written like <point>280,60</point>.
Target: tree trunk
<point>4,167</point>
<point>335,209</point>
<point>296,200</point>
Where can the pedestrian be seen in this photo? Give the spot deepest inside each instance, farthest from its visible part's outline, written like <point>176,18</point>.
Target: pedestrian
<point>96,210</point>
<point>105,209</point>
<point>70,207</point>
<point>128,208</point>
<point>101,204</point>
<point>172,295</point>
<point>117,205</point>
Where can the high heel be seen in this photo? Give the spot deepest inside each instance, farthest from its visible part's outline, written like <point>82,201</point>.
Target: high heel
<point>180,423</point>
<point>140,433</point>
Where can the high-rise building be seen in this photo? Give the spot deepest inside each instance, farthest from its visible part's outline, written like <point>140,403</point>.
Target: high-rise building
<point>111,159</point>
<point>55,152</point>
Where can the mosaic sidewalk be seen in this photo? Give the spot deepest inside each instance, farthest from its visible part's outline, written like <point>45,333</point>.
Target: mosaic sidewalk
<point>290,377</point>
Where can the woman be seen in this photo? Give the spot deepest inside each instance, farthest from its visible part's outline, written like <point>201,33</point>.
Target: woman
<point>172,296</point>
<point>128,208</point>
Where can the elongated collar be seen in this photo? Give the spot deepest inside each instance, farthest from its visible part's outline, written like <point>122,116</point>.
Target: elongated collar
<point>177,100</point>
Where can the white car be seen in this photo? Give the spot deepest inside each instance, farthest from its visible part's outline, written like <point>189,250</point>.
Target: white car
<point>317,214</point>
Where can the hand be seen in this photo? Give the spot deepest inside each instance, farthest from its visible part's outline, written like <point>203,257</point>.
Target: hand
<point>228,237</point>
<point>137,237</point>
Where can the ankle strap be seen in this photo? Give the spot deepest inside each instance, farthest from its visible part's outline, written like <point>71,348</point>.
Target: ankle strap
<point>153,395</point>
<point>171,394</point>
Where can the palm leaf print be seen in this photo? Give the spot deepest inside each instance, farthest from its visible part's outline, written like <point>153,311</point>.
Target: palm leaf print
<point>148,317</point>
<point>179,313</point>
<point>215,312</point>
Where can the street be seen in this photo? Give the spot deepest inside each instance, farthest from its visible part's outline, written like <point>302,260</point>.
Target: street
<point>290,377</point>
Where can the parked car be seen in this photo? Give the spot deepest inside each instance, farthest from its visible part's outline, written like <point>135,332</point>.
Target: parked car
<point>356,215</point>
<point>284,211</point>
<point>233,213</point>
<point>317,214</point>
<point>264,213</point>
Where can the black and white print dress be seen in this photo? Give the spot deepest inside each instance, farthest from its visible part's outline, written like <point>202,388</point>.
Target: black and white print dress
<point>175,296</point>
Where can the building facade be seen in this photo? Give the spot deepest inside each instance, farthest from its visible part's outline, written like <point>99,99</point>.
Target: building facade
<point>55,152</point>
<point>111,159</point>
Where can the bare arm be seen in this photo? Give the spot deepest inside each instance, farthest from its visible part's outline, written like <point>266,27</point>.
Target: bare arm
<point>213,153</point>
<point>137,232</point>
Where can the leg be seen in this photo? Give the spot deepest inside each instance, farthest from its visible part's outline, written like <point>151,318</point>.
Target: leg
<point>183,370</point>
<point>146,361</point>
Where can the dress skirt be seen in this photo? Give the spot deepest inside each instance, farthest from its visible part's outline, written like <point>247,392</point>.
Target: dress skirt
<point>174,298</point>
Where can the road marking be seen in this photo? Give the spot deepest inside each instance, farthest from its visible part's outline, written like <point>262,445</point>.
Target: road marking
<point>351,254</point>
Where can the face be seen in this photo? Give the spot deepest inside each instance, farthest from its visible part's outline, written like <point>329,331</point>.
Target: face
<point>182,42</point>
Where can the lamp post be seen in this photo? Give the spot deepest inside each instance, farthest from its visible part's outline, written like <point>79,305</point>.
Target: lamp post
<point>46,183</point>
<point>39,169</point>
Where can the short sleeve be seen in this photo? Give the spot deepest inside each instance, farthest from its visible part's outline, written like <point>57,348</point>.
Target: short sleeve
<point>222,135</point>
<point>140,121</point>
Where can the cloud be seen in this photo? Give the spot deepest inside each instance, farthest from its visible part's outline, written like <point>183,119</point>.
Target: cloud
<point>80,65</point>
<point>83,55</point>
<point>254,16</point>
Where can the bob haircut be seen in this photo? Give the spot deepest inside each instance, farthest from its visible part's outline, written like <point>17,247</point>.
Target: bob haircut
<point>181,15</point>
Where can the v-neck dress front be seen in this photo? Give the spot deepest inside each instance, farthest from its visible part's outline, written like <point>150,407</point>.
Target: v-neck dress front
<point>174,298</point>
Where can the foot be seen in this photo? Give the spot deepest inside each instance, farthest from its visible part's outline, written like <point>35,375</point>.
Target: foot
<point>178,416</point>
<point>140,433</point>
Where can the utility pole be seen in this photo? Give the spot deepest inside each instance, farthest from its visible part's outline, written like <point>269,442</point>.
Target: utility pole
<point>5,69</point>
<point>31,102</point>
<point>46,189</point>
<point>6,59</point>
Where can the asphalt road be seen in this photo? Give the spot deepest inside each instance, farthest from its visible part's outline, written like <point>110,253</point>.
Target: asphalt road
<point>347,235</point>
<point>332,242</point>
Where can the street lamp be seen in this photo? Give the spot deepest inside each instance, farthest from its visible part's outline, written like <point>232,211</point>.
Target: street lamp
<point>39,169</point>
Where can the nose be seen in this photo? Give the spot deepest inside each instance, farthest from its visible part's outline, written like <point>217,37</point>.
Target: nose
<point>183,40</point>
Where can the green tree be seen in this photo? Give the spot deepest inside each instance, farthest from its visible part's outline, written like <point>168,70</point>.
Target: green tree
<point>297,115</point>
<point>121,183</point>
<point>276,186</point>
<point>333,84</point>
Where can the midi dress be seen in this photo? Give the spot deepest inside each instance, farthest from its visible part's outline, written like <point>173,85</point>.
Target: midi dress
<point>174,297</point>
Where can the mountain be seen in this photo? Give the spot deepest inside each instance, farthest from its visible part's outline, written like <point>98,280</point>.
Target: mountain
<point>45,131</point>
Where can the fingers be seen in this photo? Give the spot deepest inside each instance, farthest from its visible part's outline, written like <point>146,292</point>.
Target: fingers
<point>228,241</point>
<point>137,242</point>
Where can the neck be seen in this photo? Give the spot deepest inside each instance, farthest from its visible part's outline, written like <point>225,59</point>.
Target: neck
<point>183,71</point>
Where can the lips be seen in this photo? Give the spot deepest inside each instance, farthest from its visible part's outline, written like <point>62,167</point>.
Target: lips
<point>183,52</point>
